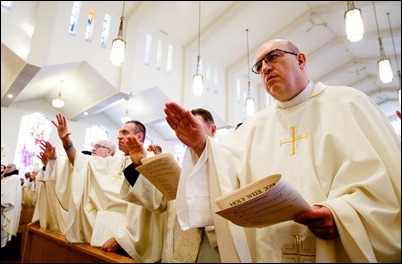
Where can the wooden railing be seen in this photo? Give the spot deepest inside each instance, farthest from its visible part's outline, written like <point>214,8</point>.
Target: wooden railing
<point>44,246</point>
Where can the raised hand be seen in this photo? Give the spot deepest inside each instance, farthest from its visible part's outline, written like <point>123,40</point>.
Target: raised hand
<point>48,151</point>
<point>135,149</point>
<point>187,127</point>
<point>154,149</point>
<point>62,128</point>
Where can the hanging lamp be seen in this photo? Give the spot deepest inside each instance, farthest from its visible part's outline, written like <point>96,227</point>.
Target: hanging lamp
<point>198,85</point>
<point>58,102</point>
<point>384,63</point>
<point>119,44</point>
<point>126,117</point>
<point>396,59</point>
<point>250,108</point>
<point>353,23</point>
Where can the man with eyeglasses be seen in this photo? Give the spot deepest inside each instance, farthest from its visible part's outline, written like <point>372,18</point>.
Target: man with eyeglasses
<point>94,183</point>
<point>51,214</point>
<point>103,148</point>
<point>332,143</point>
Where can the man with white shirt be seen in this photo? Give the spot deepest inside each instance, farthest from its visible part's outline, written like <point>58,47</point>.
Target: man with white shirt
<point>185,246</point>
<point>332,143</point>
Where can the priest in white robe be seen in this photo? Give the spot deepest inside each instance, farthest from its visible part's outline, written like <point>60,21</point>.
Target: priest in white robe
<point>49,210</point>
<point>332,143</point>
<point>195,245</point>
<point>11,195</point>
<point>95,186</point>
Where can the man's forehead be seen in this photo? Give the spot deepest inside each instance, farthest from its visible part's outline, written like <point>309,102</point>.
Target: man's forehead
<point>128,127</point>
<point>269,46</point>
<point>103,142</point>
<point>199,118</point>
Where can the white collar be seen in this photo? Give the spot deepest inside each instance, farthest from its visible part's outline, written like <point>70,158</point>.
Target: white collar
<point>300,98</point>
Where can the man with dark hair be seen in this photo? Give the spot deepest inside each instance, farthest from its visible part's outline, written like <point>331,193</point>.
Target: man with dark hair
<point>95,184</point>
<point>207,120</point>
<point>180,246</point>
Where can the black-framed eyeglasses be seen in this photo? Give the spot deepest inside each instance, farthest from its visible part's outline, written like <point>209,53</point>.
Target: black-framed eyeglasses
<point>100,146</point>
<point>271,57</point>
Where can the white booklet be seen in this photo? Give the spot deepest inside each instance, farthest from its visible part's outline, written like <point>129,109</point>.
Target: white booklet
<point>163,171</point>
<point>106,224</point>
<point>268,201</point>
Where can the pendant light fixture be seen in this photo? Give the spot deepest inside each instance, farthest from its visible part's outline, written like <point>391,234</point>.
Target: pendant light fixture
<point>396,59</point>
<point>198,85</point>
<point>119,44</point>
<point>126,117</point>
<point>354,23</point>
<point>384,64</point>
<point>58,102</point>
<point>250,99</point>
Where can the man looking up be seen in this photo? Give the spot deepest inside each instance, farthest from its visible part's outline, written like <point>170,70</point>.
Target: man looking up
<point>95,186</point>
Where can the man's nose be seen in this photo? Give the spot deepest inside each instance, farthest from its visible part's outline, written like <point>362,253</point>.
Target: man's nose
<point>265,65</point>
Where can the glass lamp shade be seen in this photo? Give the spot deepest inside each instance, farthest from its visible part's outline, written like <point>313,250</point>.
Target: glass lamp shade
<point>250,106</point>
<point>125,119</point>
<point>354,24</point>
<point>198,85</point>
<point>118,49</point>
<point>385,71</point>
<point>58,102</point>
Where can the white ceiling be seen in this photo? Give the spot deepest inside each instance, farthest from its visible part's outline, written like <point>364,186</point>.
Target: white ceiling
<point>317,27</point>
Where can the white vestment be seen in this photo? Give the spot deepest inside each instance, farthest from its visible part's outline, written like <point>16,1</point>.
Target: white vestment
<point>145,194</point>
<point>93,185</point>
<point>143,238</point>
<point>49,211</point>
<point>337,149</point>
<point>10,207</point>
<point>29,197</point>
<point>29,193</point>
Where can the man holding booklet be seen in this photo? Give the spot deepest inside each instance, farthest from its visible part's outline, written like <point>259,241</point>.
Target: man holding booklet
<point>331,144</point>
<point>181,245</point>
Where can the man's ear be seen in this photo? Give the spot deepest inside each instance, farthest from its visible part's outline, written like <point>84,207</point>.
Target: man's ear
<point>301,57</point>
<point>213,130</point>
<point>140,136</point>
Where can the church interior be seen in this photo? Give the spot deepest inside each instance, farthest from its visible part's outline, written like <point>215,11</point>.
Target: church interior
<point>53,51</point>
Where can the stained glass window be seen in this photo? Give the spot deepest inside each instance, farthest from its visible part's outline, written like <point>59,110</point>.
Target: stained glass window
<point>33,129</point>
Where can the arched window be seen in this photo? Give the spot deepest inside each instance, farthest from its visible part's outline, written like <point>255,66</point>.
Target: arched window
<point>90,25</point>
<point>105,30</point>
<point>75,13</point>
<point>33,129</point>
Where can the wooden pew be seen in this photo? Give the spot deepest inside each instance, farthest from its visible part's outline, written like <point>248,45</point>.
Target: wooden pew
<point>41,245</point>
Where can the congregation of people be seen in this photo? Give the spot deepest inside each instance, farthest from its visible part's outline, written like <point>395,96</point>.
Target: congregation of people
<point>332,143</point>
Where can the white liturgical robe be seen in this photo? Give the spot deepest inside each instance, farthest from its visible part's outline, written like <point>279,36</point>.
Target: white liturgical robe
<point>49,210</point>
<point>11,195</point>
<point>93,185</point>
<point>146,217</point>
<point>337,149</point>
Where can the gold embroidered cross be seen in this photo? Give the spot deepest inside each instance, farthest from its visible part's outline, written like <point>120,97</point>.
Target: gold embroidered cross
<point>93,206</point>
<point>298,253</point>
<point>117,177</point>
<point>293,139</point>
